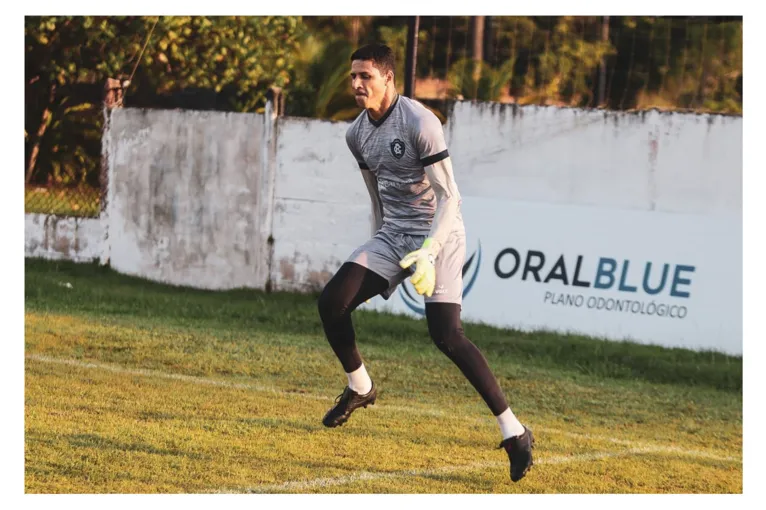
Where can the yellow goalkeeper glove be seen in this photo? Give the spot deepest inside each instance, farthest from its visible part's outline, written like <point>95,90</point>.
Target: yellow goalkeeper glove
<point>424,278</point>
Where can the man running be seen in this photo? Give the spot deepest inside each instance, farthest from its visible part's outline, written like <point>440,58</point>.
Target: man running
<point>400,148</point>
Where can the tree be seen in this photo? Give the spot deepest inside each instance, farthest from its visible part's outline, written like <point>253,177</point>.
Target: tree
<point>678,62</point>
<point>68,59</point>
<point>321,85</point>
<point>471,79</point>
<point>240,56</point>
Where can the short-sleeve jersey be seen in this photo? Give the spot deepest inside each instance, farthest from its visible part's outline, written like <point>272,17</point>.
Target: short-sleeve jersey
<point>397,148</point>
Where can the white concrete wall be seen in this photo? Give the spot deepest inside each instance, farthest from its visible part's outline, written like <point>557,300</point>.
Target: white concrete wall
<point>63,238</point>
<point>220,200</point>
<point>650,161</point>
<point>321,205</point>
<point>189,202</point>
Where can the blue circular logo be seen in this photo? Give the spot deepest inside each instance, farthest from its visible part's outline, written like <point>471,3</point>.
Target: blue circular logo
<point>470,272</point>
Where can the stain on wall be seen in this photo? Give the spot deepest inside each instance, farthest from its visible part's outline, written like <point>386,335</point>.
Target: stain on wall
<point>62,238</point>
<point>187,192</point>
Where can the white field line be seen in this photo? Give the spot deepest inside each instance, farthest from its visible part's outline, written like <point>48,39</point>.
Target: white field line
<point>637,447</point>
<point>320,483</point>
<point>176,377</point>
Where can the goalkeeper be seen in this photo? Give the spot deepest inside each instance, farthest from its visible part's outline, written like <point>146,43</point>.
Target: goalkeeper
<point>418,232</point>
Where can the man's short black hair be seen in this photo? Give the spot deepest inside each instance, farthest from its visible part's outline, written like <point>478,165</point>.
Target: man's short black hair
<point>381,55</point>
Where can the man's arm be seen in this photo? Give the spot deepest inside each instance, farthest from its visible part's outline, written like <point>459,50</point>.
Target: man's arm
<point>432,151</point>
<point>369,180</point>
<point>377,213</point>
<point>377,206</point>
<point>447,202</point>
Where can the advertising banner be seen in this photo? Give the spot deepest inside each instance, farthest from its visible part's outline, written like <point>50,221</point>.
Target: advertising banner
<point>646,276</point>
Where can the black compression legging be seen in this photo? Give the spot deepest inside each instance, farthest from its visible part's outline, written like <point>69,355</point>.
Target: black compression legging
<point>446,331</point>
<point>353,284</point>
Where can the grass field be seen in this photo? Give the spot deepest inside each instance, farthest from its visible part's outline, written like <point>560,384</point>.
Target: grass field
<point>136,387</point>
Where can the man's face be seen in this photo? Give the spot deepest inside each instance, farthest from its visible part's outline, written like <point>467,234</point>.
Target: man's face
<point>368,84</point>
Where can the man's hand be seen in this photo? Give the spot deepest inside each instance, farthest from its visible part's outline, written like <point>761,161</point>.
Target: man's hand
<point>424,278</point>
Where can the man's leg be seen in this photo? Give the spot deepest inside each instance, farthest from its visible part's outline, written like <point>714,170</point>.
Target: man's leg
<point>446,330</point>
<point>351,286</point>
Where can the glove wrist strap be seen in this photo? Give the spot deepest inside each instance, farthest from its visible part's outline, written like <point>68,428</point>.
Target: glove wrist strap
<point>431,245</point>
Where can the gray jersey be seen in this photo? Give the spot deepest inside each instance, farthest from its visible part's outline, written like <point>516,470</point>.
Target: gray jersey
<point>396,148</point>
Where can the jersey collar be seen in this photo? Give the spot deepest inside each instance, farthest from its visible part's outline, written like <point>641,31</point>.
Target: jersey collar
<point>379,122</point>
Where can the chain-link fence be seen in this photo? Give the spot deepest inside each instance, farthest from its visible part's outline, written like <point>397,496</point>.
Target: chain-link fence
<point>84,201</point>
<point>69,179</point>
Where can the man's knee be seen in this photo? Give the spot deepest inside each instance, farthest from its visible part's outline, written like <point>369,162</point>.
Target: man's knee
<point>331,305</point>
<point>448,338</point>
<point>348,288</point>
<point>444,327</point>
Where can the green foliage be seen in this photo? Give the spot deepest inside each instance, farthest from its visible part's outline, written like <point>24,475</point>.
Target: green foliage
<point>321,86</point>
<point>667,62</point>
<point>689,65</point>
<point>395,37</point>
<point>566,63</point>
<point>478,80</point>
<point>69,58</point>
<point>557,60</point>
<point>244,54</point>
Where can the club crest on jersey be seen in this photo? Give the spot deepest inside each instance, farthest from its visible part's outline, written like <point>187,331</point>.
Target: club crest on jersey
<point>397,148</point>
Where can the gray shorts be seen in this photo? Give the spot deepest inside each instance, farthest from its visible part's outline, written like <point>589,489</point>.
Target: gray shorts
<point>382,254</point>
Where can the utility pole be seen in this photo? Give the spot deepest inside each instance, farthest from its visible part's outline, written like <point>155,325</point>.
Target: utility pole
<point>412,56</point>
<point>489,36</point>
<point>478,38</point>
<point>478,50</point>
<point>355,30</point>
<point>602,73</point>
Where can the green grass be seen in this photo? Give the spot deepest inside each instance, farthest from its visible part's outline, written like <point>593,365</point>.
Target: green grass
<point>81,201</point>
<point>133,386</point>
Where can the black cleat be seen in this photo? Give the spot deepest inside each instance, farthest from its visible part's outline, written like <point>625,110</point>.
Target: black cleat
<point>519,450</point>
<point>346,403</point>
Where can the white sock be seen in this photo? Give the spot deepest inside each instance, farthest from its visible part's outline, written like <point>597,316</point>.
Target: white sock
<point>359,381</point>
<point>509,425</point>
